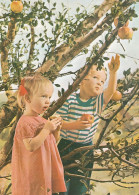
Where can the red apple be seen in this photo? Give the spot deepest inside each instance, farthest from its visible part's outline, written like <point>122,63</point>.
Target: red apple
<point>16,6</point>
<point>87,117</point>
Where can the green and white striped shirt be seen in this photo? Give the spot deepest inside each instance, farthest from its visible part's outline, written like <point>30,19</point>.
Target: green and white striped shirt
<point>73,108</point>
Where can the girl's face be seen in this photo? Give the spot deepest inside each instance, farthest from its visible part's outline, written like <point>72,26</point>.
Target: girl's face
<point>39,102</point>
<point>93,83</point>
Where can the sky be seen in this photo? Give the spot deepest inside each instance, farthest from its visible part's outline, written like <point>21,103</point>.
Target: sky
<point>131,47</point>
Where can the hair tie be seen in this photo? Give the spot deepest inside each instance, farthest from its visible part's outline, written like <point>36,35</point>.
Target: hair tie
<point>22,89</point>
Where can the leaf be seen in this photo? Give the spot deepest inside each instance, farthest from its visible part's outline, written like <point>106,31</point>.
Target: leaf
<point>28,35</point>
<point>108,138</point>
<point>42,22</point>
<point>62,91</point>
<point>78,9</point>
<point>69,65</point>
<point>106,58</point>
<point>54,4</point>
<point>57,85</point>
<point>122,55</point>
<point>41,39</point>
<point>56,58</point>
<point>35,23</point>
<point>118,132</point>
<point>59,94</point>
<point>101,42</point>
<point>106,37</point>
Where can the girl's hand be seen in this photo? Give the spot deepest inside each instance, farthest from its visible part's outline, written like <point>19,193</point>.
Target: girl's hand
<point>52,125</point>
<point>114,63</point>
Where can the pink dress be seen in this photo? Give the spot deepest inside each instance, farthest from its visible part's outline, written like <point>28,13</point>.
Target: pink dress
<point>39,172</point>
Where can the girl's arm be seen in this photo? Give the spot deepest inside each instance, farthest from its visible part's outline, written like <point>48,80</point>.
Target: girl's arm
<point>34,143</point>
<point>113,67</point>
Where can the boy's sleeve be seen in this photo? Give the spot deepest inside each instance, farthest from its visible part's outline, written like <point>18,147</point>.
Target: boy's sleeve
<point>99,103</point>
<point>63,111</point>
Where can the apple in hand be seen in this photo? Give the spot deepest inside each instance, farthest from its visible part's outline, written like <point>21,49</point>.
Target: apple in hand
<point>87,117</point>
<point>16,6</point>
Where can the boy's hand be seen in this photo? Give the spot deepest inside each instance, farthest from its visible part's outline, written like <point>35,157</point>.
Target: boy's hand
<point>79,124</point>
<point>114,63</point>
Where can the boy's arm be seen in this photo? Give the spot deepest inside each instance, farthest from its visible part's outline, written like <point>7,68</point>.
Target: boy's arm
<point>112,84</point>
<point>73,125</point>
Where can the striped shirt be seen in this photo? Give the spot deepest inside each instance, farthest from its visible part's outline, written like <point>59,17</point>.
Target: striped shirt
<point>73,108</point>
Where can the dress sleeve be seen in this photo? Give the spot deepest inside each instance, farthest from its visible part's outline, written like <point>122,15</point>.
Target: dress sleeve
<point>26,130</point>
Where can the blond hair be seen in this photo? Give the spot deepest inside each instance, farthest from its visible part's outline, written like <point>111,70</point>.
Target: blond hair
<point>32,84</point>
<point>102,68</point>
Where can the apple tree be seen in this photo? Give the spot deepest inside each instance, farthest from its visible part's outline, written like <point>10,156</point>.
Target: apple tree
<point>25,50</point>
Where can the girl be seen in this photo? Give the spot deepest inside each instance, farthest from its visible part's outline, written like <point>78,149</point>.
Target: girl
<point>36,164</point>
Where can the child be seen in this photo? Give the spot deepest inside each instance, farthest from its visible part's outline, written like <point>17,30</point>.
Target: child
<point>36,165</point>
<point>77,133</point>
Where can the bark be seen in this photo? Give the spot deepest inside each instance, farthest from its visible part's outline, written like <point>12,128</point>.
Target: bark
<point>32,44</point>
<point>5,153</point>
<point>8,112</point>
<point>4,52</point>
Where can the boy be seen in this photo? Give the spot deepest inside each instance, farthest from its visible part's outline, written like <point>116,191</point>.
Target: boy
<point>77,133</point>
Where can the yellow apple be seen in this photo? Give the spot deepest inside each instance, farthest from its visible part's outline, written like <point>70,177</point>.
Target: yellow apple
<point>116,96</point>
<point>16,6</point>
<point>125,32</point>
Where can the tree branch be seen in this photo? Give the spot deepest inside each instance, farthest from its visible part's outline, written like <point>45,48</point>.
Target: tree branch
<point>122,159</point>
<point>4,51</point>
<point>117,111</point>
<point>32,44</point>
<point>5,153</point>
<point>88,178</point>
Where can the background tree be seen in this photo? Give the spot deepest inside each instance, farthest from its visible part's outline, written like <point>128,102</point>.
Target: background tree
<point>61,39</point>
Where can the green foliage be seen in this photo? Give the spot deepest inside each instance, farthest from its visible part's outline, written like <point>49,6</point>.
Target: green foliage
<point>40,14</point>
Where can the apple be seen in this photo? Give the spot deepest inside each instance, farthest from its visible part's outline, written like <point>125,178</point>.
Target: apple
<point>125,32</point>
<point>16,6</point>
<point>116,22</point>
<point>87,117</point>
<point>116,96</point>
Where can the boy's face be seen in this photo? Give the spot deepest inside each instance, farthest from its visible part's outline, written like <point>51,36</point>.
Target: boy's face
<point>93,83</point>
